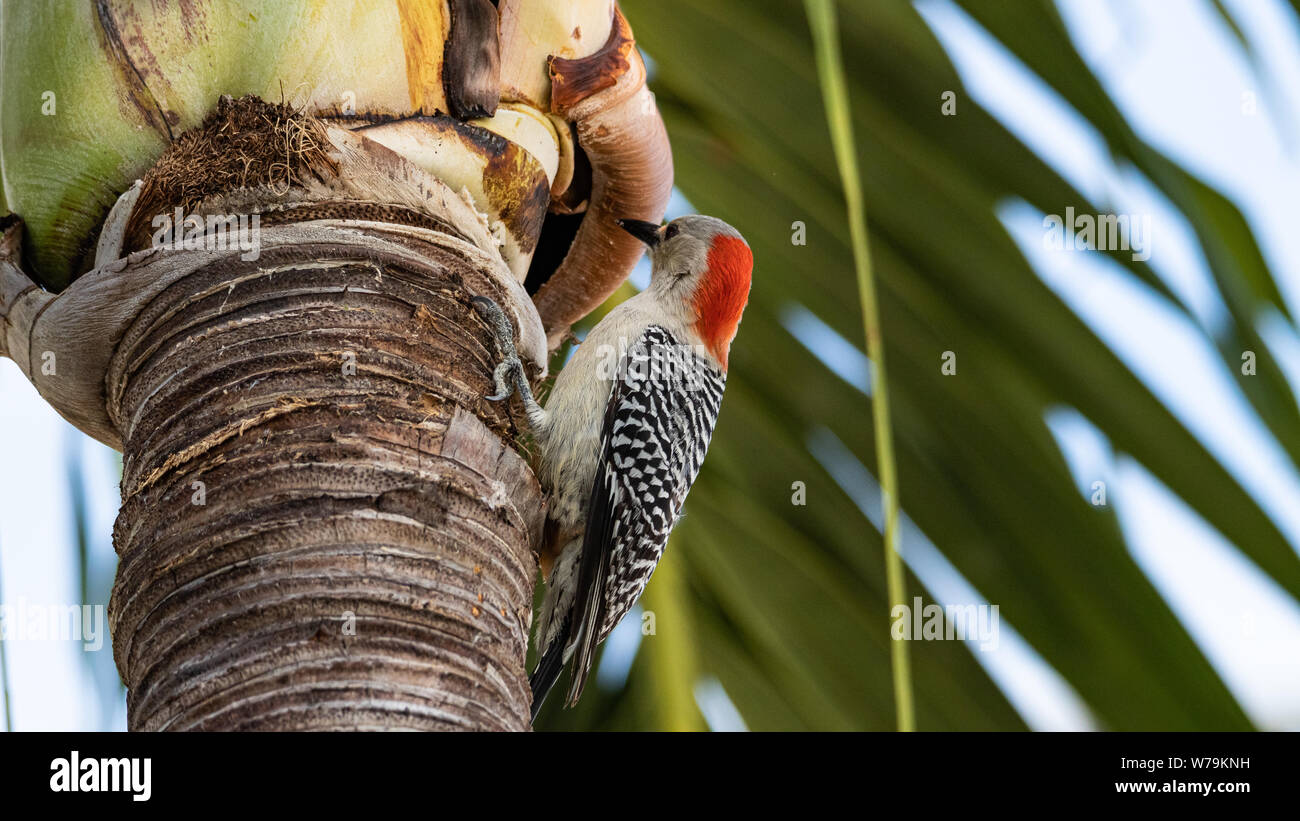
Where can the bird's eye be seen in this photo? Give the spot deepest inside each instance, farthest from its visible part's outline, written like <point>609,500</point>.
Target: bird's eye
<point>671,232</point>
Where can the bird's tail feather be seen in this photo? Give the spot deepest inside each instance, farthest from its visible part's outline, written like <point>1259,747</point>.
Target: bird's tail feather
<point>549,668</point>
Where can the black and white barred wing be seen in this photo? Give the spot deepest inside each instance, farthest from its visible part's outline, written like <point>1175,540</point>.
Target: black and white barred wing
<point>658,421</point>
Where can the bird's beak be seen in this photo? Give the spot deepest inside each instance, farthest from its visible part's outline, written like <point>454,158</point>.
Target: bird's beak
<point>647,232</point>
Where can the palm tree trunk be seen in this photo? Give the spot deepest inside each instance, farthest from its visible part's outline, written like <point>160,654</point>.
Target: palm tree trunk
<point>323,524</point>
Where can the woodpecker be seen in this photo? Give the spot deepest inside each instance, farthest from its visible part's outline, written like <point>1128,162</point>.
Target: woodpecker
<point>624,432</point>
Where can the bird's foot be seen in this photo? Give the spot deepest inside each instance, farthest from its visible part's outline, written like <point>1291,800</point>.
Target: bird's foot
<point>506,369</point>
<point>511,368</point>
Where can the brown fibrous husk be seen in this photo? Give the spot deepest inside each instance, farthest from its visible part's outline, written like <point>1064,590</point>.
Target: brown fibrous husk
<point>244,143</point>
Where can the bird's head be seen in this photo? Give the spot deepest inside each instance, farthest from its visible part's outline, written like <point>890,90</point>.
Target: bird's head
<point>700,266</point>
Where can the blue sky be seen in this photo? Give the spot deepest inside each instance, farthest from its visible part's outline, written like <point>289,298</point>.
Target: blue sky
<point>1179,76</point>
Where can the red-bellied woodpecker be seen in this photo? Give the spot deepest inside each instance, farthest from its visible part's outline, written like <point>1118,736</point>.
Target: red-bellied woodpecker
<point>624,432</point>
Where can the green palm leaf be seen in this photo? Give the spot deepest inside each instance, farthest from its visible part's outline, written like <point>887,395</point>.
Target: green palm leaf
<point>787,601</point>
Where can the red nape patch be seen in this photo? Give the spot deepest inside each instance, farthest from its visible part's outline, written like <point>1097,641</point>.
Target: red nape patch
<point>722,293</point>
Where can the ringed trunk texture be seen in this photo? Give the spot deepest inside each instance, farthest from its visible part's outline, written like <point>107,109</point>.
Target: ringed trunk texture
<point>323,523</point>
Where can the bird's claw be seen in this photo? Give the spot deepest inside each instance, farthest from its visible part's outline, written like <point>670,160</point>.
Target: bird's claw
<point>510,365</point>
